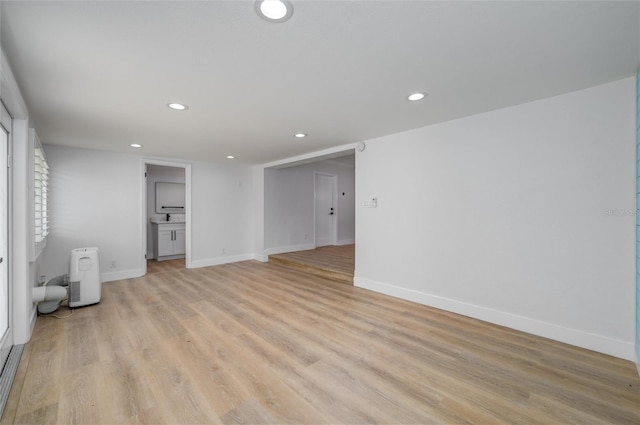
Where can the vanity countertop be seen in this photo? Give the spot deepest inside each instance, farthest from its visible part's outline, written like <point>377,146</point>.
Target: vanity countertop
<point>156,221</point>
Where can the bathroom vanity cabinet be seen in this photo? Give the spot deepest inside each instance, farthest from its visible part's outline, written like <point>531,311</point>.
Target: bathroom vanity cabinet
<point>169,240</point>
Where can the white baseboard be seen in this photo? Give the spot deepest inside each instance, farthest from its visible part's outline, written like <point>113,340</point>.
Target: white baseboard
<point>346,242</point>
<point>599,343</point>
<point>291,248</point>
<point>221,260</point>
<point>120,275</point>
<point>261,257</point>
<point>133,273</point>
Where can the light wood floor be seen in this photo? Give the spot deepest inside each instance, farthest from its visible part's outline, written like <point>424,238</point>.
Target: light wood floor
<point>154,266</point>
<point>332,262</point>
<point>257,343</point>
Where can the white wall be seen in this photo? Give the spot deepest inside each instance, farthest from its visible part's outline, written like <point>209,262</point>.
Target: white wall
<point>23,269</point>
<point>223,213</point>
<point>637,307</point>
<point>95,201</point>
<point>289,205</point>
<point>522,217</point>
<point>158,173</point>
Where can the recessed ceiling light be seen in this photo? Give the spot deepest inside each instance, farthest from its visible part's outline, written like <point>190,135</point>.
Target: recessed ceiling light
<point>230,157</point>
<point>177,106</point>
<point>136,145</point>
<point>274,10</point>
<point>416,96</point>
<point>300,135</point>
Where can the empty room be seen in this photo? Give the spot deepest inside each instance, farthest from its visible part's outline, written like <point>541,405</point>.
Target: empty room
<point>319,212</point>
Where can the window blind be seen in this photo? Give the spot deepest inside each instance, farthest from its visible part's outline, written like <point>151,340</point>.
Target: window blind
<point>41,183</point>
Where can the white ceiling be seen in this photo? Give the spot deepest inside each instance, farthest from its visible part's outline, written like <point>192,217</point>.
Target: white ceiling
<point>99,74</point>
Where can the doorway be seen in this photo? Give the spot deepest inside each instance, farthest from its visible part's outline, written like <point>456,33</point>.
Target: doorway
<point>301,230</point>
<point>6,340</point>
<point>325,209</point>
<point>166,238</point>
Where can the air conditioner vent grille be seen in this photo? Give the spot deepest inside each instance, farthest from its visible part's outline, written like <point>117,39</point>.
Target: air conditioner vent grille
<point>74,291</point>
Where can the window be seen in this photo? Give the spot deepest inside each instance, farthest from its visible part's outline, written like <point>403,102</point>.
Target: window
<point>41,189</point>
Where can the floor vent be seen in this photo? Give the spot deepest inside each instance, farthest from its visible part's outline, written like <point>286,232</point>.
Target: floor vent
<point>8,373</point>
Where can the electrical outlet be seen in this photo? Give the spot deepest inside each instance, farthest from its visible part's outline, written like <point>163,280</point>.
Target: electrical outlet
<point>224,250</point>
<point>112,264</point>
<point>306,236</point>
<point>43,279</point>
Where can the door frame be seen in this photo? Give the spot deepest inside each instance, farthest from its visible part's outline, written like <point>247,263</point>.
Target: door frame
<point>7,339</point>
<point>333,238</point>
<point>23,311</point>
<point>143,208</point>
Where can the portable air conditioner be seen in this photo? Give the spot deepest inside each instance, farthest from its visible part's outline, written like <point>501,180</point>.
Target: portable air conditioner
<point>84,277</point>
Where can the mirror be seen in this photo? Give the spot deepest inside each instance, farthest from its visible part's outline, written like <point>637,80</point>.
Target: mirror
<point>169,198</point>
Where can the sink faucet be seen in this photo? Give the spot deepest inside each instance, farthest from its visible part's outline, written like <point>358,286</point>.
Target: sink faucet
<point>168,217</point>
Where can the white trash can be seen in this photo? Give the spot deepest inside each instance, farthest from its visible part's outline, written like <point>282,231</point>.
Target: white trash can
<point>84,277</point>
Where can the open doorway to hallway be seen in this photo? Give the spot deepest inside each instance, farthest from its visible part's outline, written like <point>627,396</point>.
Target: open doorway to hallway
<point>310,212</point>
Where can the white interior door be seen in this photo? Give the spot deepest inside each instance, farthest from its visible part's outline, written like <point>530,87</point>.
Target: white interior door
<point>6,341</point>
<point>325,209</point>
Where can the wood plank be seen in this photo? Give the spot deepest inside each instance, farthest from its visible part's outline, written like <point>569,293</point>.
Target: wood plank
<point>250,412</point>
<point>154,266</point>
<point>255,342</point>
<point>10,409</point>
<point>79,398</point>
<point>40,387</point>
<point>331,262</point>
<point>43,416</point>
